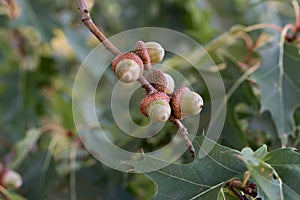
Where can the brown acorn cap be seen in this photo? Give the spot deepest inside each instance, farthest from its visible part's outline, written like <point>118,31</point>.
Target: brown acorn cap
<point>161,81</point>
<point>157,79</point>
<point>130,56</point>
<point>146,101</point>
<point>175,101</point>
<point>142,52</point>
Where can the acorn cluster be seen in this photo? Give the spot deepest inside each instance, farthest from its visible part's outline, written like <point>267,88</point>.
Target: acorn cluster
<point>164,102</point>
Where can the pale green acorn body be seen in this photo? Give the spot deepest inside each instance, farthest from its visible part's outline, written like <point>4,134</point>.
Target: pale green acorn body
<point>156,52</point>
<point>186,103</point>
<point>127,71</point>
<point>191,104</point>
<point>156,107</point>
<point>159,111</point>
<point>128,67</point>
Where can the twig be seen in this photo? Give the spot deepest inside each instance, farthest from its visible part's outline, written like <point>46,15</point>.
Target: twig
<point>4,192</point>
<point>263,26</point>
<point>183,131</point>
<point>250,45</point>
<point>147,86</point>
<point>87,20</point>
<point>54,128</point>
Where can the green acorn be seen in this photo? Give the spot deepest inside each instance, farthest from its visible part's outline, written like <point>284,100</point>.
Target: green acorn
<point>156,107</point>
<point>156,52</point>
<point>186,103</point>
<point>128,67</point>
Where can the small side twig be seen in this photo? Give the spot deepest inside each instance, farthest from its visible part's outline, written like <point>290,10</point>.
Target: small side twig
<point>250,45</point>
<point>146,85</point>
<point>183,131</point>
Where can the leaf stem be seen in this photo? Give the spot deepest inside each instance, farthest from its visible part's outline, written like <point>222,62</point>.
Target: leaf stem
<point>281,74</point>
<point>244,77</point>
<point>263,26</point>
<point>250,46</point>
<point>228,37</point>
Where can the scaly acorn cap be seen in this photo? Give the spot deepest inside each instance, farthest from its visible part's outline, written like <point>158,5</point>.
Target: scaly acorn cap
<point>142,52</point>
<point>156,52</point>
<point>128,67</point>
<point>186,103</point>
<point>156,107</point>
<point>161,81</point>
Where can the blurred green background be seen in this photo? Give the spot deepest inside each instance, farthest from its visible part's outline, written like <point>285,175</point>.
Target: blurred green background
<point>43,43</point>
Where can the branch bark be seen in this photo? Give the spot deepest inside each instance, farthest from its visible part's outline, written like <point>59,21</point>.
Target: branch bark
<point>183,131</point>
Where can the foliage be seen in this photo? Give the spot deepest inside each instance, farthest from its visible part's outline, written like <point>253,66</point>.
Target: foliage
<point>43,44</point>
<point>204,178</point>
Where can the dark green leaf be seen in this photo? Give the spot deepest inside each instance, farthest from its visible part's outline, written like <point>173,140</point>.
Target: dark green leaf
<point>201,179</point>
<point>279,81</point>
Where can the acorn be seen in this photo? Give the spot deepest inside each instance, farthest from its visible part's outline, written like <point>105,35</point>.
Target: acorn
<point>161,81</point>
<point>142,52</point>
<point>156,52</point>
<point>128,67</point>
<point>11,179</point>
<point>186,103</point>
<point>156,107</point>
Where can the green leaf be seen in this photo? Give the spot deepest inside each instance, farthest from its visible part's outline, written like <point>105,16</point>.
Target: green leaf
<point>278,78</point>
<point>263,173</point>
<point>201,179</point>
<point>38,180</point>
<point>276,173</point>
<point>286,162</point>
